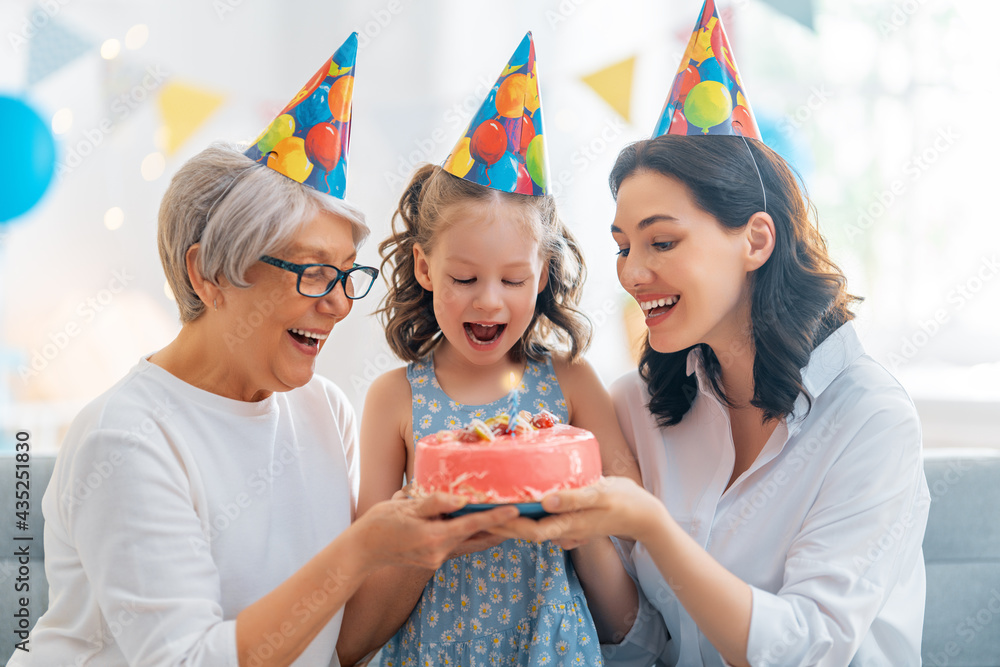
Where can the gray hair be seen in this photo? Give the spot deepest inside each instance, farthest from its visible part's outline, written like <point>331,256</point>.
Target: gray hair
<point>237,210</point>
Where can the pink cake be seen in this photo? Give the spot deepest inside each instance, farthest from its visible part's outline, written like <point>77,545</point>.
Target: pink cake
<point>487,464</point>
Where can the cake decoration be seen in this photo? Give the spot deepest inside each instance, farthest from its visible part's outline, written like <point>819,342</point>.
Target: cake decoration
<point>488,462</point>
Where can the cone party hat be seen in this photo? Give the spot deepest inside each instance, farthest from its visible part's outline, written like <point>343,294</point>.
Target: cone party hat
<point>309,140</point>
<point>504,146</point>
<point>708,95</point>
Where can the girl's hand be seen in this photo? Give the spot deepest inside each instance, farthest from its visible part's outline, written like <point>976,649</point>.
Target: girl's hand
<point>612,506</point>
<point>414,532</point>
<point>481,540</point>
<point>403,493</point>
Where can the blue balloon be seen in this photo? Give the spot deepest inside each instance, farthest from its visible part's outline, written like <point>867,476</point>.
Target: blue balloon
<point>348,51</point>
<point>710,70</point>
<point>666,118</point>
<point>336,179</point>
<point>314,109</point>
<point>478,173</point>
<point>29,158</point>
<point>488,111</point>
<point>536,121</point>
<point>503,173</point>
<point>520,56</point>
<point>333,182</point>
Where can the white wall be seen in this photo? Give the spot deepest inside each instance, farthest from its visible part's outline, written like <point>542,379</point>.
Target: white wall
<point>885,101</point>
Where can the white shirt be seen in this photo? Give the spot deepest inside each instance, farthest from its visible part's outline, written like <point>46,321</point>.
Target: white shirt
<point>826,526</point>
<point>171,509</point>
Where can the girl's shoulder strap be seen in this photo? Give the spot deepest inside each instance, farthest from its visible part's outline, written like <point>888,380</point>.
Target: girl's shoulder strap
<point>418,369</point>
<point>542,389</point>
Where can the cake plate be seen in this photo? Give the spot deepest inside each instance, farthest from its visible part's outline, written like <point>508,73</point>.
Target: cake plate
<point>530,510</point>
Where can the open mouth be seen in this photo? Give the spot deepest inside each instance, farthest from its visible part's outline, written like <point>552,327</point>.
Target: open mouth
<point>307,338</point>
<point>483,334</point>
<point>658,306</point>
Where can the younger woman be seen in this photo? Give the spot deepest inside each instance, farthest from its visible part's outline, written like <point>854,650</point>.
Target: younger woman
<point>785,501</point>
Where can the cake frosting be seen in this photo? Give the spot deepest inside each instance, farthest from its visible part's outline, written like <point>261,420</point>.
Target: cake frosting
<point>490,463</point>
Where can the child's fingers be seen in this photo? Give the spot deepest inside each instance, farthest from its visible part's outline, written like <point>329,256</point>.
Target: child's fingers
<point>506,532</point>
<point>439,503</point>
<point>542,530</point>
<point>568,544</point>
<point>482,521</point>
<point>477,542</point>
<point>520,528</point>
<point>403,493</point>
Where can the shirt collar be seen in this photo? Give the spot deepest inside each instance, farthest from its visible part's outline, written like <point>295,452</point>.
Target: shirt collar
<point>840,349</point>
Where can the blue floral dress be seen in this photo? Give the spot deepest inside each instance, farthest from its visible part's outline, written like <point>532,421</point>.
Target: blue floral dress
<point>519,603</point>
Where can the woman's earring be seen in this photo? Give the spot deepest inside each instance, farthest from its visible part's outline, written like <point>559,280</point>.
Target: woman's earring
<point>215,303</point>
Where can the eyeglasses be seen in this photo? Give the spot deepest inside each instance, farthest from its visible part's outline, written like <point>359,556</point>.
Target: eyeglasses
<point>317,280</point>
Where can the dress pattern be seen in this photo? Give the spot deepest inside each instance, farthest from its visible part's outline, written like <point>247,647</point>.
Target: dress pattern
<point>519,603</point>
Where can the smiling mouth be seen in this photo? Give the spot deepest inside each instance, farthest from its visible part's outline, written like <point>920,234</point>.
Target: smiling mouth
<point>484,334</point>
<point>658,306</point>
<point>306,337</point>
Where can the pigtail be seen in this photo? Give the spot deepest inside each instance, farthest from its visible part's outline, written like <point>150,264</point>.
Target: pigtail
<point>407,311</point>
<point>557,316</point>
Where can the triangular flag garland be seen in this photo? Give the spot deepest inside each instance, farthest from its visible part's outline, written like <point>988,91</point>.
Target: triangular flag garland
<point>184,109</point>
<point>310,139</point>
<point>54,46</point>
<point>614,84</point>
<point>707,96</point>
<point>128,84</point>
<point>504,146</point>
<point>801,11</point>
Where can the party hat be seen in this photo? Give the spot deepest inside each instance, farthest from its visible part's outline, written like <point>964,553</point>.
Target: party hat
<point>504,148</point>
<point>309,140</point>
<point>708,95</point>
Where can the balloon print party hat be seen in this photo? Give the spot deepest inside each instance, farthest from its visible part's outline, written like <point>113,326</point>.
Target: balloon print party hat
<point>308,142</point>
<point>708,95</point>
<point>504,148</point>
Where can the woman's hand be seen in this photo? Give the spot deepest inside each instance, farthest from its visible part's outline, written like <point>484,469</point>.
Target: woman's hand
<point>611,506</point>
<point>414,532</point>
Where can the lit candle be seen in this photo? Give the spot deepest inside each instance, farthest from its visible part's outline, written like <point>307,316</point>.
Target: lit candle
<point>513,403</point>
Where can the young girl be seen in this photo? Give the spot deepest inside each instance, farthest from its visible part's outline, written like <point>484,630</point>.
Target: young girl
<point>480,280</point>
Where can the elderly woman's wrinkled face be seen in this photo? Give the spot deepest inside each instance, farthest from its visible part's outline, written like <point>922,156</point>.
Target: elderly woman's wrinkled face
<point>276,331</point>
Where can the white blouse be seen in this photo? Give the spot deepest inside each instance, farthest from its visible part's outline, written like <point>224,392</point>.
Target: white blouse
<point>826,526</point>
<point>172,509</point>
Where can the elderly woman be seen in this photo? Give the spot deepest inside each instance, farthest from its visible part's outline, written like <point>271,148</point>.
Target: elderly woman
<point>200,512</point>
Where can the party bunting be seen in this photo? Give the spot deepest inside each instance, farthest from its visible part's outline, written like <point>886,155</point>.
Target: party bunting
<point>309,140</point>
<point>54,46</point>
<point>504,146</point>
<point>802,11</point>
<point>614,85</point>
<point>184,109</point>
<point>708,96</point>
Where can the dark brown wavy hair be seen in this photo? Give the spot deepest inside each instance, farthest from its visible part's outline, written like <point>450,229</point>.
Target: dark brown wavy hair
<point>407,311</point>
<point>798,297</point>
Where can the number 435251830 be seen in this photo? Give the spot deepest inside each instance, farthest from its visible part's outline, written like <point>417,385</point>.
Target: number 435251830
<point>22,475</point>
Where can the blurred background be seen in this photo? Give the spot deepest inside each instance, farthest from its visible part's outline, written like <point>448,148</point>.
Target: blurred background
<point>880,105</point>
